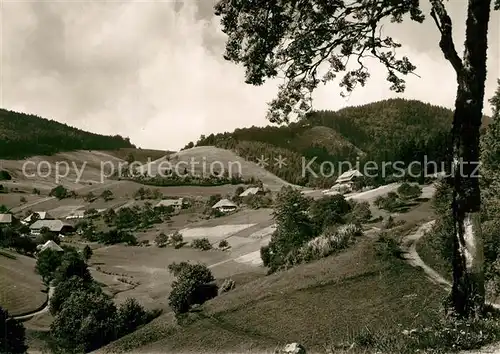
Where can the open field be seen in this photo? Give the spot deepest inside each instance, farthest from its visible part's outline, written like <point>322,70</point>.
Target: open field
<point>21,289</point>
<point>208,158</point>
<point>141,272</point>
<point>40,171</point>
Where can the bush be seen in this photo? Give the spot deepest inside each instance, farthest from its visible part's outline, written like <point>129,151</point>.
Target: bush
<point>265,256</point>
<point>389,223</point>
<point>202,244</point>
<point>223,244</point>
<point>86,322</point>
<point>176,239</point>
<point>12,338</point>
<point>192,286</point>
<point>131,315</point>
<point>409,191</point>
<point>387,248</point>
<point>47,263</point>
<point>161,240</point>
<point>59,192</point>
<point>360,213</point>
<point>65,288</point>
<point>333,240</point>
<point>226,286</point>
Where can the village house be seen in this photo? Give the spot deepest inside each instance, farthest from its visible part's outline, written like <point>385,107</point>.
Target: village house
<point>252,191</point>
<point>225,205</point>
<point>54,226</point>
<point>345,181</point>
<point>5,219</point>
<point>50,245</point>
<point>77,214</point>
<point>176,204</point>
<point>37,215</point>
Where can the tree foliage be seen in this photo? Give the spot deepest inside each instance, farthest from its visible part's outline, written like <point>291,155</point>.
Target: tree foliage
<point>20,130</point>
<point>47,263</point>
<point>293,38</point>
<point>12,337</point>
<point>192,286</point>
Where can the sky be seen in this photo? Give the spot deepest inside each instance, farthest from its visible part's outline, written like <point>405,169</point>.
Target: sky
<point>153,70</point>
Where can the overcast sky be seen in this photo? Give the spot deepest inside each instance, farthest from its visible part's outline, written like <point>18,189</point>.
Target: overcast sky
<point>153,70</point>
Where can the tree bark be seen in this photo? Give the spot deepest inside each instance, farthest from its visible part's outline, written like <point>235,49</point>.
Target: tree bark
<point>468,293</point>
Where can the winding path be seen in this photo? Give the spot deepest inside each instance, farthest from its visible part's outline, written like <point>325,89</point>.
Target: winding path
<point>409,247</point>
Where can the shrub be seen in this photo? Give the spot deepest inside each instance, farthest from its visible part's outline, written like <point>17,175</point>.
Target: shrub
<point>130,315</point>
<point>13,336</point>
<point>265,256</point>
<point>409,191</point>
<point>223,244</point>
<point>65,288</point>
<point>202,244</point>
<point>360,213</point>
<point>107,195</point>
<point>59,192</point>
<point>86,322</point>
<point>192,286</point>
<point>226,286</point>
<point>47,263</point>
<point>387,248</point>
<point>72,265</point>
<point>161,240</point>
<point>87,253</point>
<point>389,223</point>
<point>176,239</point>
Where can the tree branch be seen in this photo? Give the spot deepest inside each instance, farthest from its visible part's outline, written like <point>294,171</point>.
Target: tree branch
<point>443,23</point>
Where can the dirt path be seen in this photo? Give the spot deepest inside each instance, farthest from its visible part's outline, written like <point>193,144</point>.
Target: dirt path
<point>409,247</point>
<point>39,312</point>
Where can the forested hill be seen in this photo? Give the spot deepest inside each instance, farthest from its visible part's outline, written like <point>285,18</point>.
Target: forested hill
<point>389,130</point>
<point>23,135</point>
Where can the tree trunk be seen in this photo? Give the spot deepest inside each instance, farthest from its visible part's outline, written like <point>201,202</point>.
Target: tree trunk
<point>468,293</point>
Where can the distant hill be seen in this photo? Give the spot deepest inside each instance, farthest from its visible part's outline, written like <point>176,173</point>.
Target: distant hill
<point>388,130</point>
<point>209,160</point>
<point>23,135</point>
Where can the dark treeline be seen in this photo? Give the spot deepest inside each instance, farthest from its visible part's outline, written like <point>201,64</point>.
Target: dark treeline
<point>390,130</point>
<point>23,135</point>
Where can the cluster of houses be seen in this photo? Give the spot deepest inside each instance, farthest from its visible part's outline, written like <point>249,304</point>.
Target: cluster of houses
<point>225,205</point>
<point>38,221</point>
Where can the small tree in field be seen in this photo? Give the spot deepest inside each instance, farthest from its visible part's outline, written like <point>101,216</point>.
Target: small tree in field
<point>107,195</point>
<point>161,240</point>
<point>12,334</point>
<point>87,253</point>
<point>292,39</point>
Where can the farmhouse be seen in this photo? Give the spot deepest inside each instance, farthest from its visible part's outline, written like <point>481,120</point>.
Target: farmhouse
<point>177,204</point>
<point>37,215</point>
<point>77,214</point>
<point>51,245</point>
<point>55,226</point>
<point>347,179</point>
<point>5,219</point>
<point>225,205</point>
<point>252,191</point>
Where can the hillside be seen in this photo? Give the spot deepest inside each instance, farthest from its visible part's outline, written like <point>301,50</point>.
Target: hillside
<point>389,130</point>
<point>23,135</point>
